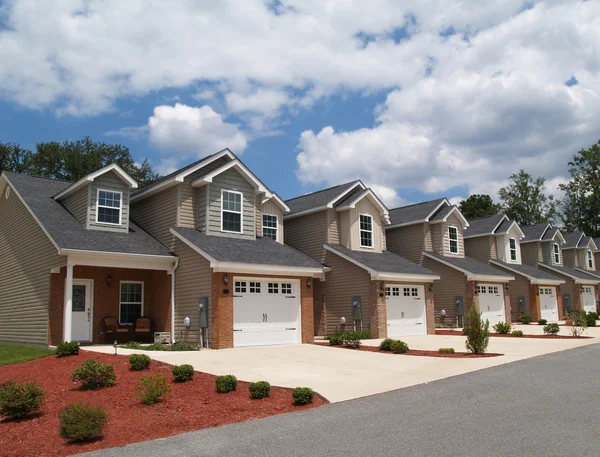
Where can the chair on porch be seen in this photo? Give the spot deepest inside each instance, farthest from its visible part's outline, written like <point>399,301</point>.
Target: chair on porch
<point>113,330</point>
<point>143,329</point>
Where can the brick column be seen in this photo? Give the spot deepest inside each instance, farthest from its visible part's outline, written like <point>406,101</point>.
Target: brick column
<point>222,313</point>
<point>471,299</point>
<point>307,310</point>
<point>429,310</point>
<point>378,310</point>
<point>320,308</point>
<point>559,301</point>
<point>507,307</point>
<point>534,303</point>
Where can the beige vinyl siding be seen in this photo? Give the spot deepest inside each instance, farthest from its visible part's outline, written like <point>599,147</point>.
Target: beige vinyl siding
<point>233,181</point>
<point>270,207</point>
<point>345,229</point>
<point>437,238</point>
<point>111,182</point>
<point>350,222</point>
<point>201,211</point>
<point>409,241</point>
<point>308,233</point>
<point>596,258</point>
<point>26,258</point>
<point>452,284</point>
<point>569,288</point>
<point>344,281</point>
<point>187,205</point>
<point>548,253</point>
<point>453,221</point>
<point>518,288</point>
<point>333,224</point>
<point>570,258</point>
<point>192,281</point>
<point>258,206</point>
<point>479,248</point>
<point>77,204</point>
<point>157,213</point>
<point>531,253</point>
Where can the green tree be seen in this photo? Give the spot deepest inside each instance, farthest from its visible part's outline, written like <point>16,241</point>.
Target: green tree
<point>580,206</point>
<point>477,331</point>
<point>479,205</point>
<point>525,200</point>
<point>14,158</point>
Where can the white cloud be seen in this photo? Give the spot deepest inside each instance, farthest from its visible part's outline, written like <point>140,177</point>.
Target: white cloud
<point>388,195</point>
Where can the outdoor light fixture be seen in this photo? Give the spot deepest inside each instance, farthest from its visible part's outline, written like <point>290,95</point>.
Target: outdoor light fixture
<point>225,278</point>
<point>431,287</point>
<point>115,345</point>
<point>342,320</point>
<point>308,282</point>
<point>108,280</point>
<point>187,322</point>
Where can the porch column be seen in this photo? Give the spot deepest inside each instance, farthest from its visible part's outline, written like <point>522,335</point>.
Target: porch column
<point>68,304</point>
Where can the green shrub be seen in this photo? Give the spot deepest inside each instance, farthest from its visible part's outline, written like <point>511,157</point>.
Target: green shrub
<point>351,340</point>
<point>94,374</point>
<point>181,347</point>
<point>336,341</point>
<point>579,322</point>
<point>183,373</point>
<point>260,389</point>
<point>386,345</point>
<point>152,387</point>
<point>19,400</point>
<point>446,350</point>
<point>517,333</point>
<point>66,349</point>
<point>525,319</point>
<point>477,331</point>
<point>503,328</point>
<point>139,362</point>
<point>399,347</point>
<point>156,347</point>
<point>225,384</point>
<point>132,345</point>
<point>552,329</point>
<point>590,319</point>
<point>542,322</point>
<point>303,395</point>
<point>363,334</point>
<point>80,422</point>
<point>594,314</point>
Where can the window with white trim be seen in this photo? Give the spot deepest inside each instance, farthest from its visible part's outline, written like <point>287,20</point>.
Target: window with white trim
<point>131,304</point>
<point>254,287</point>
<point>269,226</point>
<point>109,206</point>
<point>414,292</point>
<point>286,288</point>
<point>481,289</point>
<point>231,211</point>
<point>590,259</point>
<point>453,237</point>
<point>512,244</point>
<point>366,231</point>
<point>273,288</point>
<point>240,287</point>
<point>556,249</point>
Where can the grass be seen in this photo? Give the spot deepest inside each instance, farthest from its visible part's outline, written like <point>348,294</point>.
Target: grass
<point>12,353</point>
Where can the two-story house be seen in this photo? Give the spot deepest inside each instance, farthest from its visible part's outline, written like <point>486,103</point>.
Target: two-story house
<point>497,240</point>
<point>542,248</point>
<point>432,234</point>
<point>367,286</point>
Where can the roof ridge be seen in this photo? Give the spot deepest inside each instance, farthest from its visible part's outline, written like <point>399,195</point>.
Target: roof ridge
<point>322,190</point>
<point>421,203</point>
<point>29,175</point>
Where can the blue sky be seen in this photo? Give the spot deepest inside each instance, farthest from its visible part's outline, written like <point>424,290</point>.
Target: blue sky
<point>419,99</point>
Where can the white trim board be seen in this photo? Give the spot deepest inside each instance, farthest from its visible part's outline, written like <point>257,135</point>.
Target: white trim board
<point>92,176</point>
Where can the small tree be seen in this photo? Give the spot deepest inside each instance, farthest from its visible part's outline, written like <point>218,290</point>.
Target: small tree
<point>479,205</point>
<point>525,199</point>
<point>477,331</point>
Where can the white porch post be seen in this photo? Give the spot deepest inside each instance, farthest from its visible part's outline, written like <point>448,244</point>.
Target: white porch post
<point>68,304</point>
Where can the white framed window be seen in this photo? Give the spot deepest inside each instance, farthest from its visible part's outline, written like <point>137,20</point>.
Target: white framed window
<point>414,292</point>
<point>109,206</point>
<point>481,289</point>
<point>388,291</point>
<point>286,288</point>
<point>366,231</point>
<point>273,288</point>
<point>269,222</point>
<point>240,287</point>
<point>556,253</point>
<point>231,211</point>
<point>131,303</point>
<point>406,291</point>
<point>254,287</point>
<point>453,237</point>
<point>512,244</point>
<point>590,260</point>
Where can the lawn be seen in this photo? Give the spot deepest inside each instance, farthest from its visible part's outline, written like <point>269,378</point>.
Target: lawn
<point>12,353</point>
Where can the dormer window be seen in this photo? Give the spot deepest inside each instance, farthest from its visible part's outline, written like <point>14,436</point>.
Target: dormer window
<point>453,237</point>
<point>366,231</point>
<point>590,259</point>
<point>513,249</point>
<point>556,253</point>
<point>109,207</point>
<point>270,226</point>
<point>231,211</point>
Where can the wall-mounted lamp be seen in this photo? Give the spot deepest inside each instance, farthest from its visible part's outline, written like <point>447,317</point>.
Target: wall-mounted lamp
<point>308,282</point>
<point>225,278</point>
<point>506,285</point>
<point>431,287</point>
<point>443,312</point>
<point>187,322</point>
<point>581,288</point>
<point>342,320</point>
<point>108,280</point>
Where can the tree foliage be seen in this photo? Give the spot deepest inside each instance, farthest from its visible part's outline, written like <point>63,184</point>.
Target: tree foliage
<point>479,205</point>
<point>525,200</point>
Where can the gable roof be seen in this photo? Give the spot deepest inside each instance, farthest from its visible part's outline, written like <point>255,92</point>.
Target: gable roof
<point>597,242</point>
<point>498,224</point>
<point>534,275</point>
<point>356,197</point>
<point>322,199</point>
<point>573,240</point>
<point>66,232</point>
<point>444,213</point>
<point>117,170</point>
<point>419,212</point>
<point>579,276</point>
<point>541,232</point>
<point>473,269</point>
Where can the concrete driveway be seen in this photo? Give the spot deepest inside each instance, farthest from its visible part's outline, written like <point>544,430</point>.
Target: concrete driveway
<point>343,374</point>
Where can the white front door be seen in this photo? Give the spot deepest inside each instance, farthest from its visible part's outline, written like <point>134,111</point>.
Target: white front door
<point>548,304</point>
<point>491,303</point>
<point>266,311</point>
<point>81,326</point>
<point>405,307</point>
<point>589,299</point>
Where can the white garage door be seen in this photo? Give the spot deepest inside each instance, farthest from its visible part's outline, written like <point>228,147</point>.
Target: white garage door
<point>589,299</point>
<point>548,304</point>
<point>491,303</point>
<point>405,306</point>
<point>266,311</point>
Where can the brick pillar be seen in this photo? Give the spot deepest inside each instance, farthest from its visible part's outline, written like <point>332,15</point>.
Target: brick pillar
<point>307,310</point>
<point>222,314</point>
<point>559,301</point>
<point>534,303</point>
<point>378,310</point>
<point>507,307</point>
<point>429,310</point>
<point>471,299</point>
<point>320,308</point>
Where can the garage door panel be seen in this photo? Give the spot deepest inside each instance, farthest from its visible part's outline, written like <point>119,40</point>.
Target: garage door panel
<point>491,302</point>
<point>548,304</point>
<point>405,308</point>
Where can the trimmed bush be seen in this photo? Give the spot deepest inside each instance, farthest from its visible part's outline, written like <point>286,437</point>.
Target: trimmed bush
<point>399,347</point>
<point>152,388</point>
<point>593,315</point>
<point>542,322</point>
<point>94,374</point>
<point>260,389</point>
<point>363,334</point>
<point>386,345</point>
<point>517,333</point>
<point>446,350</point>
<point>303,395</point>
<point>80,422</point>
<point>503,327</point>
<point>132,345</point>
<point>182,347</point>
<point>551,329</point>
<point>139,362</point>
<point>66,349</point>
<point>225,384</point>
<point>183,373</point>
<point>351,340</point>
<point>590,319</point>
<point>157,347</point>
<point>19,400</point>
<point>477,331</point>
<point>525,319</point>
<point>335,341</point>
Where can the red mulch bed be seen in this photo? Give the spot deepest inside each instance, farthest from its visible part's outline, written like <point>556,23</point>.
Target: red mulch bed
<point>508,335</point>
<point>190,406</point>
<point>455,355</point>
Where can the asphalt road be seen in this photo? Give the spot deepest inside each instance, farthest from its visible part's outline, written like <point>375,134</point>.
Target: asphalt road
<point>545,406</point>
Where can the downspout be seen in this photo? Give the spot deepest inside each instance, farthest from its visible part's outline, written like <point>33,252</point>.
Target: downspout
<point>173,269</point>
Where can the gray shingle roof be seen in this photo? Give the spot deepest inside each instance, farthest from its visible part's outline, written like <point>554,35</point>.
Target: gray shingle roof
<point>504,226</point>
<point>385,262</point>
<point>527,270</point>
<point>573,240</point>
<point>571,272</point>
<point>414,213</point>
<point>471,265</point>
<point>443,212</point>
<point>550,233</point>
<point>260,251</point>
<point>68,232</point>
<point>483,225</point>
<point>318,199</point>
<point>597,241</point>
<point>533,232</point>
